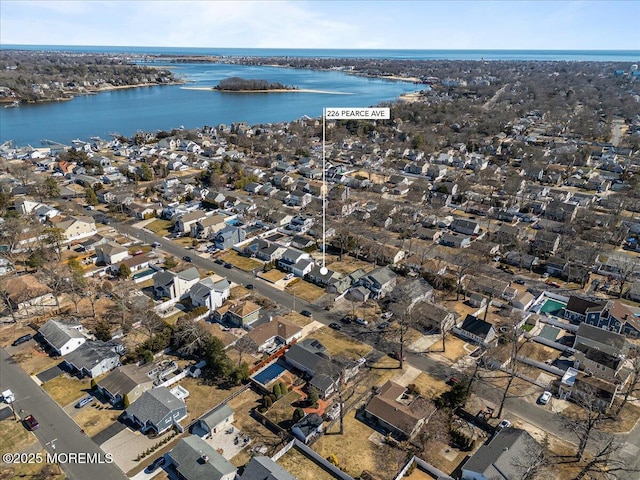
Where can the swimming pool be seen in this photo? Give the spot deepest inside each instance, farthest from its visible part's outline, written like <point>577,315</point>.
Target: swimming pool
<point>272,372</point>
<point>552,306</point>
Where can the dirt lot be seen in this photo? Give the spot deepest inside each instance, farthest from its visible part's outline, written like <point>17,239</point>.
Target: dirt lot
<point>339,344</point>
<point>355,451</point>
<point>93,419</point>
<point>305,290</point>
<point>259,434</point>
<point>302,467</point>
<point>454,348</point>
<point>348,265</point>
<point>34,361</point>
<point>298,319</point>
<point>9,332</point>
<point>65,389</point>
<point>539,352</point>
<point>243,263</point>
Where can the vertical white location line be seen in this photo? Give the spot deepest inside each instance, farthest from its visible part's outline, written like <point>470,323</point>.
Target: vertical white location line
<point>323,269</point>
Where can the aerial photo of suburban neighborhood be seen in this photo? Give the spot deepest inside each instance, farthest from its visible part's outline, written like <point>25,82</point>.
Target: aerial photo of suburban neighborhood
<point>450,292</point>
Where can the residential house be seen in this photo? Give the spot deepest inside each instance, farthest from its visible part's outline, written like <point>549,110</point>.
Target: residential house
<point>110,253</point>
<point>379,282</point>
<point>510,454</point>
<point>92,359</point>
<point>545,243</point>
<point>175,286</point>
<point>264,468</point>
<point>296,261</point>
<point>274,334</point>
<point>308,427</point>
<point>576,308</point>
<point>399,410</point>
<point>26,291</point>
<point>523,301</point>
<point>62,337</point>
<point>229,236</point>
<point>434,318</point>
<point>465,227</point>
<point>600,352</point>
<point>156,410</point>
<point>208,227</point>
<point>312,359</point>
<point>455,241</point>
<point>194,459</point>
<point>240,314</point>
<point>215,421</point>
<point>477,330</point>
<point>405,296</point>
<point>126,384</point>
<point>186,220</point>
<point>75,227</point>
<point>316,276</point>
<point>209,293</point>
<point>616,317</point>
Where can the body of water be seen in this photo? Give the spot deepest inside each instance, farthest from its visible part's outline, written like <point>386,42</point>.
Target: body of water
<point>171,106</point>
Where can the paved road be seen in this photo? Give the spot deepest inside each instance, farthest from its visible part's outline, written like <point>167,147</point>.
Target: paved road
<point>541,417</point>
<point>55,424</point>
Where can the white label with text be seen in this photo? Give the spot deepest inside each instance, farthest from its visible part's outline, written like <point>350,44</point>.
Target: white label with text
<point>342,113</point>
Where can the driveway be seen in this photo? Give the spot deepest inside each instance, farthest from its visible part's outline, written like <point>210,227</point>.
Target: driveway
<point>125,446</point>
<point>108,433</point>
<point>51,373</point>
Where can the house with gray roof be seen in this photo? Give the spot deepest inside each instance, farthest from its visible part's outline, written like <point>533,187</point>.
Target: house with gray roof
<point>477,330</point>
<point>92,359</point>
<point>510,454</point>
<point>217,420</point>
<point>175,286</point>
<point>62,337</point>
<point>229,236</point>
<point>194,459</point>
<point>379,281</point>
<point>126,384</point>
<point>311,357</point>
<point>264,468</point>
<point>209,293</point>
<point>308,427</point>
<point>156,410</point>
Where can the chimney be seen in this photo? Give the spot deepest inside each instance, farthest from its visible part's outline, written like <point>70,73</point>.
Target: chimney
<point>204,457</point>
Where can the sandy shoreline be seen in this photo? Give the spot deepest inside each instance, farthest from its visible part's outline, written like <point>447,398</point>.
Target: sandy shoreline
<point>275,90</point>
<point>411,97</point>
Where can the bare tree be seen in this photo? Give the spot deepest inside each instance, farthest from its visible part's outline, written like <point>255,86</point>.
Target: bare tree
<point>512,336</point>
<point>603,464</point>
<point>632,386</point>
<point>190,337</point>
<point>584,425</point>
<point>245,345</point>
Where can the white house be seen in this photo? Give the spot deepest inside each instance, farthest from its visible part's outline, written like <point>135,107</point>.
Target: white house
<point>174,286</point>
<point>62,337</point>
<point>110,253</point>
<point>209,294</point>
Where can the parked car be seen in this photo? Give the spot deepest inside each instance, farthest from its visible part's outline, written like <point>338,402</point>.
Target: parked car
<point>228,265</point>
<point>85,401</point>
<point>387,315</point>
<point>503,424</point>
<point>545,397</point>
<point>306,313</point>
<point>335,326</point>
<point>453,380</point>
<point>383,325</point>
<point>361,321</point>
<point>187,258</point>
<point>156,244</point>
<point>22,339</point>
<point>289,276</point>
<point>219,261</point>
<point>519,281</point>
<point>249,286</point>
<point>158,462</point>
<point>346,319</point>
<point>31,422</point>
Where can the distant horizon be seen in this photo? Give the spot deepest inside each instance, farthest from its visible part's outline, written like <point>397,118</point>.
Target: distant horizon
<point>4,46</point>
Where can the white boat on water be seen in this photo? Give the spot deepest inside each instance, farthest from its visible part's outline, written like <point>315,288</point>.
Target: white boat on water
<point>12,104</point>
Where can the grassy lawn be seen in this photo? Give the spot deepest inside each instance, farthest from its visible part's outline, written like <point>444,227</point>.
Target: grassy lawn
<point>15,437</point>
<point>33,361</point>
<point>298,319</point>
<point>302,467</point>
<point>159,227</point>
<point>93,419</point>
<point>273,275</point>
<point>281,411</point>
<point>354,451</point>
<point>429,386</point>
<point>64,389</point>
<point>259,434</point>
<point>305,290</point>
<point>340,344</point>
<point>349,265</point>
<point>202,397</point>
<point>243,263</point>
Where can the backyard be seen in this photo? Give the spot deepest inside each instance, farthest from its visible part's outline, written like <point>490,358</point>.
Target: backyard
<point>301,467</point>
<point>340,344</point>
<point>281,412</point>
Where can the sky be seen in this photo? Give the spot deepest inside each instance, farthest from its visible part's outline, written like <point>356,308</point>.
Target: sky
<point>416,24</point>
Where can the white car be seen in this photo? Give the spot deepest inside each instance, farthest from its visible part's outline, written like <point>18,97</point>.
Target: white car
<point>289,276</point>
<point>361,321</point>
<point>386,315</point>
<point>545,397</point>
<point>503,424</point>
